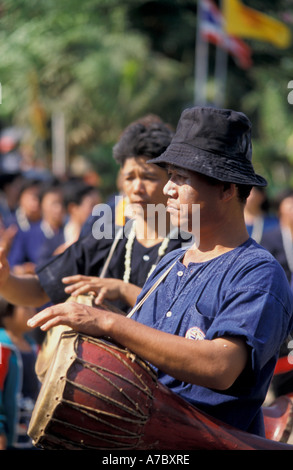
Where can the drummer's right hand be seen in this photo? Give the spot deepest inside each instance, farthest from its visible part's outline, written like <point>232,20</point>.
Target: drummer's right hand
<point>4,267</point>
<point>79,317</point>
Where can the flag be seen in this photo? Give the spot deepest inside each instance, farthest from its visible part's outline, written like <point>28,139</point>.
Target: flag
<point>246,22</point>
<point>212,30</point>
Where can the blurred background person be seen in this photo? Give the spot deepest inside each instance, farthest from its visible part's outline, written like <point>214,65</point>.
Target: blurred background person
<point>33,244</point>
<point>257,214</point>
<point>117,202</point>
<point>28,210</point>
<point>19,386</point>
<point>51,229</point>
<point>79,200</point>
<point>279,240</point>
<point>27,214</point>
<point>10,186</point>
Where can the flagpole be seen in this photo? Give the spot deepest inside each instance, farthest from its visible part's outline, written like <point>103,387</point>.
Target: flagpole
<point>201,63</point>
<point>221,71</point>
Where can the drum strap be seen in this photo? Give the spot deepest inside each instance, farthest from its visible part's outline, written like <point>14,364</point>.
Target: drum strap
<point>149,292</point>
<point>113,247</point>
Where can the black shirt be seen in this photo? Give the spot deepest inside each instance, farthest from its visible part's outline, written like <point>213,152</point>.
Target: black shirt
<point>87,257</point>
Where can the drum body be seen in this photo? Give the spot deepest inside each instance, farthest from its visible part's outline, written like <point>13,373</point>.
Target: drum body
<point>99,396</point>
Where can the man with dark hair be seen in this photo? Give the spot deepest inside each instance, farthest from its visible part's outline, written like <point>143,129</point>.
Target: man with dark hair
<point>147,136</point>
<point>214,324</point>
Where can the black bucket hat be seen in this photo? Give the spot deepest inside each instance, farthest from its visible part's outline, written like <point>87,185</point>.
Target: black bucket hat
<point>214,142</point>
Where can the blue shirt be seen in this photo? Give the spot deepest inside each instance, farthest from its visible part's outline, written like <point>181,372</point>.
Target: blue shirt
<point>241,293</point>
<point>34,245</point>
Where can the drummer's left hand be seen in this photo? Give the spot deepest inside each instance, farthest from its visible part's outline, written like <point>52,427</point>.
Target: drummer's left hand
<point>103,288</point>
<point>79,317</point>
<point>110,289</point>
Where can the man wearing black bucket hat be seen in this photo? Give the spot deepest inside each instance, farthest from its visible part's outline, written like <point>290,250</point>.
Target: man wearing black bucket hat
<point>210,318</point>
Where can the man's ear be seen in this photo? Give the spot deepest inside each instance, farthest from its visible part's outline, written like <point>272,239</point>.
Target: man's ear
<point>228,191</point>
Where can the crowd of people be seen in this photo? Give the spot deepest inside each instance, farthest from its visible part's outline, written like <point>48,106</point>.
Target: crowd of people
<point>273,229</point>
<point>39,218</point>
<point>222,287</point>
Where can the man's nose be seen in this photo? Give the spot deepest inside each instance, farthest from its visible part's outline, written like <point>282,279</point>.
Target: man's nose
<point>169,189</point>
<point>138,185</point>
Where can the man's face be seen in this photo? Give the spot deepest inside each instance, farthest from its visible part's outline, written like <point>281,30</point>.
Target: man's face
<point>30,203</point>
<point>80,212</point>
<point>53,208</point>
<point>143,182</point>
<point>188,192</point>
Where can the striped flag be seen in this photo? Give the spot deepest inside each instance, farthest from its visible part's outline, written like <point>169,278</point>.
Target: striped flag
<point>212,30</point>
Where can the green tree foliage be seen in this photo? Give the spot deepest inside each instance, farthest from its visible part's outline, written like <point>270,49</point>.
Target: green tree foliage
<point>85,60</point>
<point>104,63</point>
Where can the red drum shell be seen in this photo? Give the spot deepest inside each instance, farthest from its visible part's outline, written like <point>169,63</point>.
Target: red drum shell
<point>102,398</point>
<point>97,395</point>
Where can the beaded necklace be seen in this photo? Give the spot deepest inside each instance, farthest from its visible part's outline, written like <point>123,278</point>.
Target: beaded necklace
<point>127,263</point>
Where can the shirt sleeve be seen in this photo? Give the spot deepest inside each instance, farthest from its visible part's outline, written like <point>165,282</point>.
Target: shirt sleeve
<point>257,307</point>
<point>86,256</point>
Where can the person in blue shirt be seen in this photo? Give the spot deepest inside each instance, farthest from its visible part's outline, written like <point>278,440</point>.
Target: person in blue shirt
<point>38,236</point>
<point>19,386</point>
<point>258,217</point>
<point>214,324</point>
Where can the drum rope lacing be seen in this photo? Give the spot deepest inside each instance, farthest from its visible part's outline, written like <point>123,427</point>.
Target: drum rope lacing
<point>137,416</point>
<point>106,437</point>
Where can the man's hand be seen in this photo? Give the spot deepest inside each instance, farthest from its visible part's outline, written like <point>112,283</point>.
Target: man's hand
<point>218,362</point>
<point>79,317</point>
<point>103,288</point>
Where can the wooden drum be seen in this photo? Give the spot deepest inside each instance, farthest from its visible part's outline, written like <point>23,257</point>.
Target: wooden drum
<point>95,396</point>
<point>99,396</point>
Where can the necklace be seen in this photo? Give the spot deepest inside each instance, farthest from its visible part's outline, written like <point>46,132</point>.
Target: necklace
<point>128,252</point>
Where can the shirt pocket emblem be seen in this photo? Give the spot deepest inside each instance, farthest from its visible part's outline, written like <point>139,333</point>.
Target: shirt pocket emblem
<point>195,333</point>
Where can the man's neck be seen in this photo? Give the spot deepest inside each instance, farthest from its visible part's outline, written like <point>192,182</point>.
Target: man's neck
<point>215,243</point>
<point>148,233</point>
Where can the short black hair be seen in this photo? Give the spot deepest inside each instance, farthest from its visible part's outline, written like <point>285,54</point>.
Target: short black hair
<point>28,184</point>
<point>243,190</point>
<point>146,137</point>
<point>51,186</point>
<point>75,191</point>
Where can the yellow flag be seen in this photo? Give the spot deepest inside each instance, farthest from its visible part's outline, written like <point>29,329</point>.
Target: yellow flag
<point>246,22</point>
